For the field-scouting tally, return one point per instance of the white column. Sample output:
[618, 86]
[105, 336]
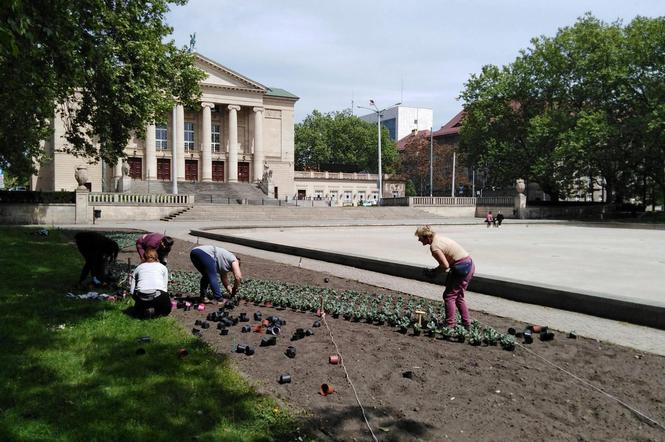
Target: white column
[206, 149]
[258, 144]
[180, 141]
[233, 143]
[150, 154]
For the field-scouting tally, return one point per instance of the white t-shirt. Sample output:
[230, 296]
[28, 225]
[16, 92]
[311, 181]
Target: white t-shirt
[150, 276]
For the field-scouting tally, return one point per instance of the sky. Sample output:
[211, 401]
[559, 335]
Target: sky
[420, 53]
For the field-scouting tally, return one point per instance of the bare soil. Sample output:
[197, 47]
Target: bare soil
[457, 391]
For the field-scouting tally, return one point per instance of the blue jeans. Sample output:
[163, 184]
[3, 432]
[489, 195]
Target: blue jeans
[207, 267]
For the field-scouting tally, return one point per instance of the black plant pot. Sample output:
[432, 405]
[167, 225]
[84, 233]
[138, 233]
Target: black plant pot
[249, 350]
[512, 331]
[198, 322]
[461, 339]
[196, 332]
[241, 348]
[546, 336]
[407, 374]
[224, 331]
[290, 352]
[403, 330]
[572, 335]
[316, 324]
[309, 332]
[205, 325]
[242, 317]
[284, 378]
[528, 337]
[235, 321]
[257, 316]
[335, 315]
[268, 340]
[274, 330]
[246, 328]
[510, 347]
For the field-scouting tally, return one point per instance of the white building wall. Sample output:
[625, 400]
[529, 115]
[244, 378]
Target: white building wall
[406, 119]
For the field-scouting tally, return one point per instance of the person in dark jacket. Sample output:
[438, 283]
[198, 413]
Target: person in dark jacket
[98, 251]
[499, 219]
[162, 244]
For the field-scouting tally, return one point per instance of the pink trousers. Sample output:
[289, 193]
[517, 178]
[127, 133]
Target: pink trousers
[453, 296]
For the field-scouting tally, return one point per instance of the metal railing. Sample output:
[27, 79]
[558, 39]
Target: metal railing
[496, 201]
[416, 201]
[137, 198]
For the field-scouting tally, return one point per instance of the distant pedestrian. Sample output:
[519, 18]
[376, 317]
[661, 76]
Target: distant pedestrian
[149, 287]
[454, 259]
[498, 220]
[162, 244]
[211, 261]
[489, 219]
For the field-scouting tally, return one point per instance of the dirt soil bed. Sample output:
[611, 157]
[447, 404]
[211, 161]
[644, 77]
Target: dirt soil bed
[457, 391]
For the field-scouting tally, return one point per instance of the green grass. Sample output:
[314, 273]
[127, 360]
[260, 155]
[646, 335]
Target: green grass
[69, 369]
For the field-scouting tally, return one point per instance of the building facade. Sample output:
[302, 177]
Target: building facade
[241, 131]
[402, 120]
[346, 188]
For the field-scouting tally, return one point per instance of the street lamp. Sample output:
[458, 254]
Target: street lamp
[379, 114]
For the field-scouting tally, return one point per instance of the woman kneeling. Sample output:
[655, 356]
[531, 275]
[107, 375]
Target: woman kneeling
[149, 287]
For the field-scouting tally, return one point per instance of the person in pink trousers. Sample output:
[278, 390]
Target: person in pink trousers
[455, 260]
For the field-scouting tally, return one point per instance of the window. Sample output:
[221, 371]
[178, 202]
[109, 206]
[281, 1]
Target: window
[189, 136]
[161, 137]
[215, 138]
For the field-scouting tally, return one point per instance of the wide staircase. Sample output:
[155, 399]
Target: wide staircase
[230, 193]
[249, 214]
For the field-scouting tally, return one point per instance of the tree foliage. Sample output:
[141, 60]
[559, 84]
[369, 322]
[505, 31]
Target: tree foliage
[102, 64]
[341, 139]
[581, 107]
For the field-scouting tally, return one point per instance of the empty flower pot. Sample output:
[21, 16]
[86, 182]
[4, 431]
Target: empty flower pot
[309, 332]
[290, 352]
[572, 335]
[528, 337]
[268, 340]
[407, 374]
[249, 350]
[224, 331]
[285, 378]
[257, 316]
[246, 328]
[220, 325]
[257, 329]
[201, 307]
[235, 321]
[326, 280]
[265, 323]
[333, 359]
[196, 331]
[274, 330]
[241, 348]
[326, 389]
[316, 324]
[174, 304]
[512, 331]
[205, 325]
[537, 328]
[242, 317]
[546, 335]
[198, 322]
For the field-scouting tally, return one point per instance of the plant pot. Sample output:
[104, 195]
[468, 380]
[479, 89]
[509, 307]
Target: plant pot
[198, 322]
[201, 307]
[309, 332]
[242, 317]
[461, 339]
[241, 348]
[528, 337]
[205, 325]
[284, 379]
[333, 359]
[546, 335]
[326, 280]
[265, 323]
[268, 304]
[319, 312]
[223, 331]
[268, 340]
[407, 374]
[416, 332]
[196, 332]
[572, 335]
[326, 389]
[290, 352]
[246, 329]
[316, 324]
[512, 331]
[249, 350]
[403, 330]
[235, 321]
[257, 328]
[274, 330]
[509, 347]
[257, 316]
[537, 328]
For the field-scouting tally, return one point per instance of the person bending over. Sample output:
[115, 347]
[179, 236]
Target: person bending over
[98, 251]
[157, 241]
[149, 287]
[453, 258]
[211, 261]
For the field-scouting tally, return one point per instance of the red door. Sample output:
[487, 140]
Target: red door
[218, 171]
[243, 172]
[163, 169]
[135, 168]
[191, 170]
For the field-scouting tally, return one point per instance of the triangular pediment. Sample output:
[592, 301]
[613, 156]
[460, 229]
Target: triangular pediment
[221, 76]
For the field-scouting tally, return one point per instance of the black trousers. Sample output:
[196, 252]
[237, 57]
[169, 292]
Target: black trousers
[161, 304]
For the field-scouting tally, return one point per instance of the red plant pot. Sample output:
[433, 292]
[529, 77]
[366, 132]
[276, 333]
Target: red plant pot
[326, 389]
[333, 359]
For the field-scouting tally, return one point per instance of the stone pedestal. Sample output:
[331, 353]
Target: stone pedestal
[81, 216]
[124, 184]
[520, 199]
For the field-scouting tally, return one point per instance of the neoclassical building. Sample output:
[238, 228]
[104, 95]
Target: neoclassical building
[241, 130]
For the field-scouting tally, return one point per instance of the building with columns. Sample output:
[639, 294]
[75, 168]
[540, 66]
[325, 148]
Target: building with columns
[241, 130]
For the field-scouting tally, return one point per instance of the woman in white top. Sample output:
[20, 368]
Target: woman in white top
[149, 287]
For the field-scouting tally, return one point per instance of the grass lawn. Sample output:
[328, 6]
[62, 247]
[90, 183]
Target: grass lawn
[69, 369]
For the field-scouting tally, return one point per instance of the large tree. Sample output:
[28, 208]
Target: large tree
[103, 64]
[581, 106]
[341, 139]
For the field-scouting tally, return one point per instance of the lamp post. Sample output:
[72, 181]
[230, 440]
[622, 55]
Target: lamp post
[379, 114]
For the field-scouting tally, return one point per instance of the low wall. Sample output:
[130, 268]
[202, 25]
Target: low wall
[507, 211]
[450, 211]
[133, 212]
[596, 304]
[566, 212]
[26, 213]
